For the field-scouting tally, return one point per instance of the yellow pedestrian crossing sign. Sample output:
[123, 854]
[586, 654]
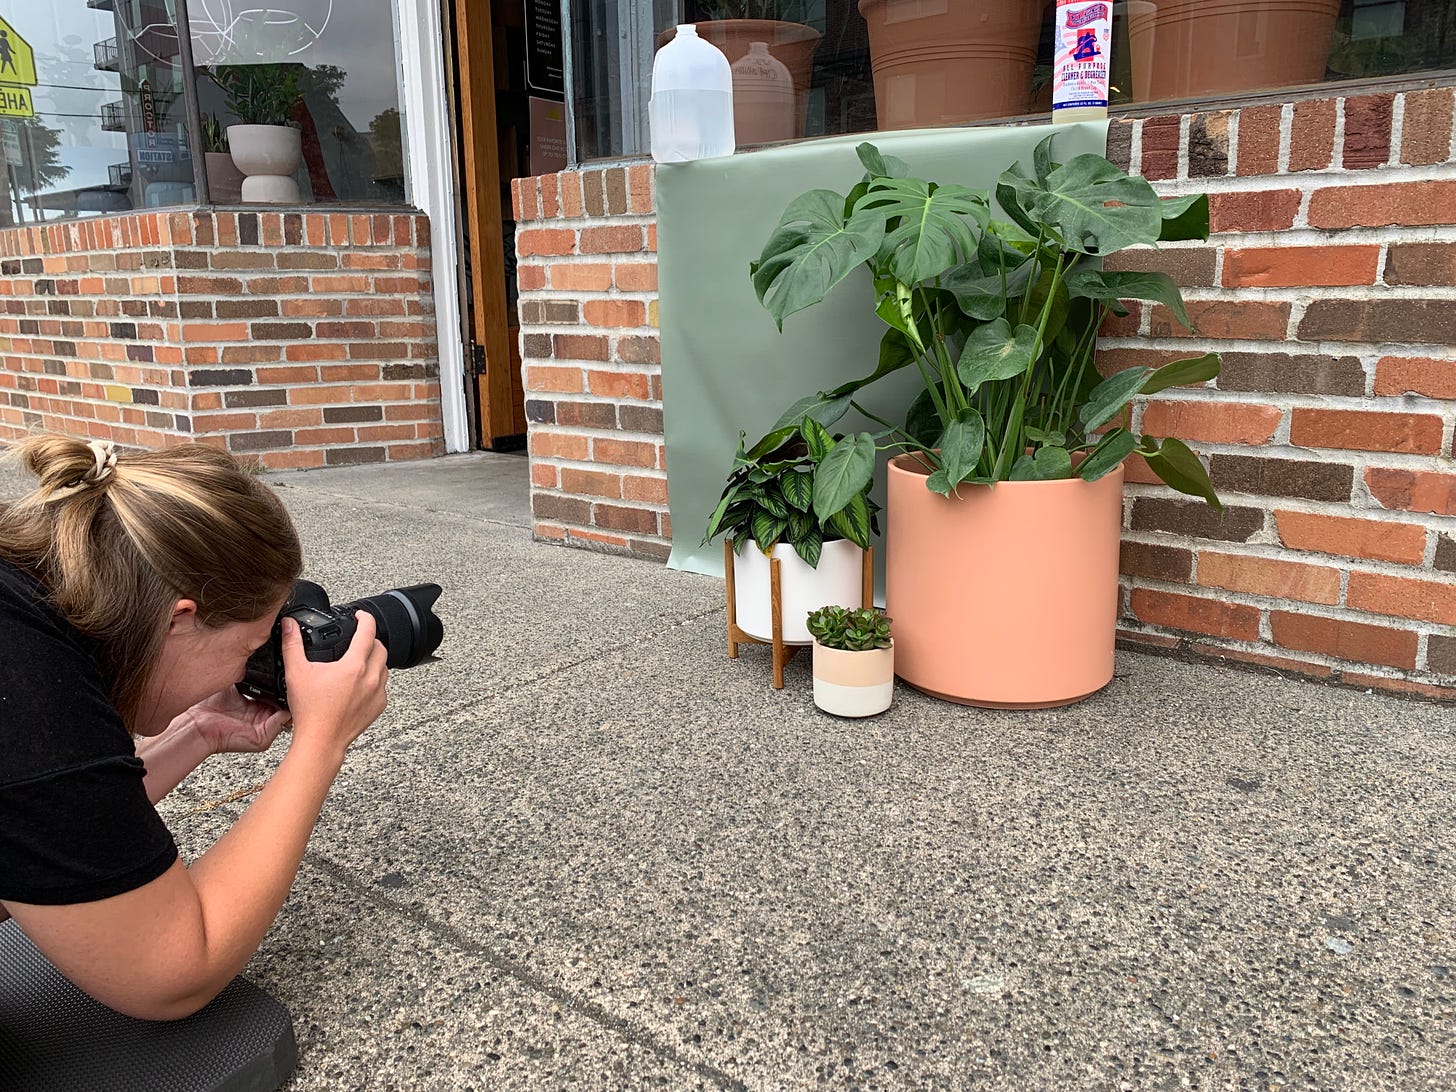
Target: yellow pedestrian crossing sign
[15, 102]
[17, 59]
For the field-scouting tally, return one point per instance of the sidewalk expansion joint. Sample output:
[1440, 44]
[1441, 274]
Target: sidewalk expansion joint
[625, 1029]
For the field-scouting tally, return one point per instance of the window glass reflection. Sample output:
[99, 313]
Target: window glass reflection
[92, 116]
[327, 70]
[805, 68]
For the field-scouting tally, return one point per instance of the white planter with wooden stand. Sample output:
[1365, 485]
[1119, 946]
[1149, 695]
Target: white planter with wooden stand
[854, 684]
[769, 598]
[269, 155]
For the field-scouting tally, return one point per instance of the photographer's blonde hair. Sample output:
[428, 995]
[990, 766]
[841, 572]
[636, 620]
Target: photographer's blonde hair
[116, 539]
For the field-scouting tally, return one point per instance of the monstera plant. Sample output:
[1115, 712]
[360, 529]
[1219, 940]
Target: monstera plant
[1004, 589]
[1000, 317]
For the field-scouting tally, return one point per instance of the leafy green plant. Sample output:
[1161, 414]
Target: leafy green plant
[999, 317]
[851, 630]
[776, 491]
[260, 94]
[214, 134]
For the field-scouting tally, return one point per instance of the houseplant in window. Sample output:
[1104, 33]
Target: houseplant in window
[777, 505]
[854, 660]
[771, 50]
[224, 180]
[950, 63]
[266, 143]
[1005, 508]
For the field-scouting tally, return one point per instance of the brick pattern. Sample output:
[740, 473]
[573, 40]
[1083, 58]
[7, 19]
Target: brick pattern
[293, 339]
[586, 244]
[1327, 286]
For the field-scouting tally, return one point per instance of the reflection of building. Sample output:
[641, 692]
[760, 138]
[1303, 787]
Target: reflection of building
[143, 54]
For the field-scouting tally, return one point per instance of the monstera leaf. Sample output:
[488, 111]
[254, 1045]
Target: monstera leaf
[928, 228]
[812, 250]
[1095, 207]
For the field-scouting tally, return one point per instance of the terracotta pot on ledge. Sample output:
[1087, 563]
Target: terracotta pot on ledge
[1195, 48]
[948, 62]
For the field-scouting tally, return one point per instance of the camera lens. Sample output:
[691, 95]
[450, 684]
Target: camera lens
[405, 622]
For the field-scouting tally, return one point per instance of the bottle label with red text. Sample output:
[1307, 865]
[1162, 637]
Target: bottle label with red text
[1083, 49]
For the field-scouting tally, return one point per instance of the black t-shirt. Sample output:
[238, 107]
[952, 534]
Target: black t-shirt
[75, 822]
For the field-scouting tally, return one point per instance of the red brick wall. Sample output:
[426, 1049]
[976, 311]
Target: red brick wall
[1329, 286]
[296, 339]
[587, 269]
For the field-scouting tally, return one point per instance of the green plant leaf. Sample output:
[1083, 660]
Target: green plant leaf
[774, 503]
[1047, 464]
[938, 482]
[880, 165]
[716, 520]
[928, 228]
[810, 546]
[818, 439]
[845, 473]
[798, 487]
[1055, 438]
[960, 446]
[767, 529]
[1180, 468]
[922, 423]
[826, 407]
[1108, 397]
[1114, 447]
[980, 295]
[811, 251]
[1095, 207]
[853, 521]
[1182, 373]
[772, 441]
[1008, 196]
[996, 351]
[1184, 218]
[1129, 285]
[1041, 160]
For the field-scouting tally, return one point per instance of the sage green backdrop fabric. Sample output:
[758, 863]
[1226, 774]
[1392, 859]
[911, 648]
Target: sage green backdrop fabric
[725, 366]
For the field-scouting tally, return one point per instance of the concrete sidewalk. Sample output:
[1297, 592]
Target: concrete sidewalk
[586, 850]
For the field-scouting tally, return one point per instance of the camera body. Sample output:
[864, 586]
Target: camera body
[405, 623]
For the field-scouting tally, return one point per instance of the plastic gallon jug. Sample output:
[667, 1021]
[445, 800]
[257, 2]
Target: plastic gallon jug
[692, 100]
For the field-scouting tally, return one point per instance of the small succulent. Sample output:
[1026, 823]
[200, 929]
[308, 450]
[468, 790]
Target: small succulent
[857, 630]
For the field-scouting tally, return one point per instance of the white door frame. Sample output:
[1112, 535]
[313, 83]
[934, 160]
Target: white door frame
[432, 188]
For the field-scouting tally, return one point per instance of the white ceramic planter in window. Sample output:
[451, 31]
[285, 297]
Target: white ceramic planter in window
[269, 156]
[837, 579]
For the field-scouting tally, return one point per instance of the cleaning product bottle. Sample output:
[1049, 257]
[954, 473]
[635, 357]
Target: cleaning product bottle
[1083, 45]
[691, 109]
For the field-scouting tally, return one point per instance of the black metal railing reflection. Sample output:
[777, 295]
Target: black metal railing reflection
[120, 175]
[108, 55]
[113, 116]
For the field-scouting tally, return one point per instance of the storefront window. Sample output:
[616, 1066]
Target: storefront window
[92, 115]
[826, 67]
[328, 70]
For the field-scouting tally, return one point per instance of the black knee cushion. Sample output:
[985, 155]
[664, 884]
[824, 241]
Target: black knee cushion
[53, 1038]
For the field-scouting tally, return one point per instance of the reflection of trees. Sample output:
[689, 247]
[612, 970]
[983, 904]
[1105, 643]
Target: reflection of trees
[39, 166]
[64, 70]
[385, 137]
[40, 163]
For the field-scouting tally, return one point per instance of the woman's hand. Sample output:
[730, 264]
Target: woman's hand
[229, 722]
[333, 703]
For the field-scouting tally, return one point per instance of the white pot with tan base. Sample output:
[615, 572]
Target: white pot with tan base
[854, 684]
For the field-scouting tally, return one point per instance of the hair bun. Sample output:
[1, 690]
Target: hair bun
[66, 465]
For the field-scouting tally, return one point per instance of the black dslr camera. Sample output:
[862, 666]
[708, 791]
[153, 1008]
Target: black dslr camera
[405, 623]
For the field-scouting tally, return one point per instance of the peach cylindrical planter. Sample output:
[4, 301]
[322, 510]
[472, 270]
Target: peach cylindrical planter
[1005, 596]
[854, 684]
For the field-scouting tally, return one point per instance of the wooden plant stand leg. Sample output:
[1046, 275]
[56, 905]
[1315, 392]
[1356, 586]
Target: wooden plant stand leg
[782, 653]
[733, 634]
[867, 575]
